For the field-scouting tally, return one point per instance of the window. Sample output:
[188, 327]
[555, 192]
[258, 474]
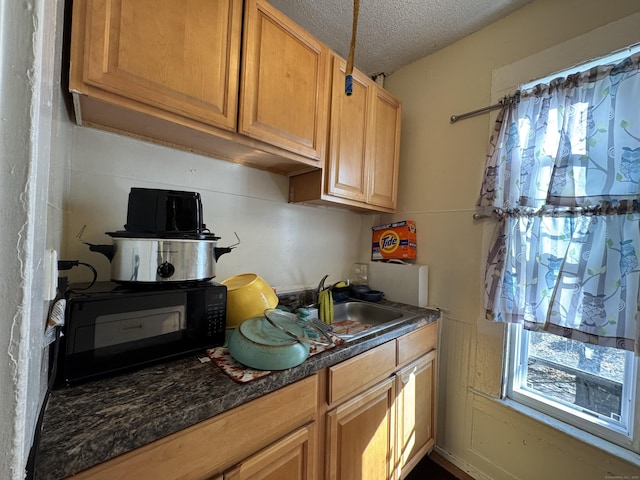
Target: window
[588, 386]
[563, 179]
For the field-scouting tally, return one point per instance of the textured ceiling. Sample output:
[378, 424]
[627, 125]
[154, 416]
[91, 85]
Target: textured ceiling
[394, 33]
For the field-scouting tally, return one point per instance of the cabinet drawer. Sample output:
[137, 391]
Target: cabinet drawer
[416, 343]
[358, 373]
[215, 444]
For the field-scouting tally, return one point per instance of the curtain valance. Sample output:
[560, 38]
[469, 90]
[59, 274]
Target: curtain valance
[563, 176]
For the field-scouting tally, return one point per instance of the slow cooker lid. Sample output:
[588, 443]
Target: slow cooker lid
[164, 235]
[153, 210]
[260, 331]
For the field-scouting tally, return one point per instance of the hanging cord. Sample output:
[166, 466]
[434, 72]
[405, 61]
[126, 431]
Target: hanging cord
[30, 469]
[69, 264]
[56, 314]
[348, 79]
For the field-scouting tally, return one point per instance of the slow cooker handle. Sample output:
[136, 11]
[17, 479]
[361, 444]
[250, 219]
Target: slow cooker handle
[107, 250]
[219, 251]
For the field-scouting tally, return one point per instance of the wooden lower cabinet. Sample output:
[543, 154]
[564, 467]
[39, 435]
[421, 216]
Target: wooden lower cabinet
[214, 446]
[360, 436]
[415, 407]
[371, 417]
[381, 432]
[291, 458]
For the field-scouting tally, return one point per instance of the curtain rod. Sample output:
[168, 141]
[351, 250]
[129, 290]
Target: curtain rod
[507, 98]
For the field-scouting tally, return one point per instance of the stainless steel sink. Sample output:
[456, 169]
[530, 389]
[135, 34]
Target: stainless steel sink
[372, 316]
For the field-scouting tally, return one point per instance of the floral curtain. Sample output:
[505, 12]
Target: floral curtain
[563, 178]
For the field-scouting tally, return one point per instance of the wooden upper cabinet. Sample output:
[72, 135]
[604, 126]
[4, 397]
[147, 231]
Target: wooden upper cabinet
[361, 169]
[351, 124]
[284, 87]
[181, 57]
[364, 141]
[385, 150]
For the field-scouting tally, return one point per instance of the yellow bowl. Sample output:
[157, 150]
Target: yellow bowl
[248, 296]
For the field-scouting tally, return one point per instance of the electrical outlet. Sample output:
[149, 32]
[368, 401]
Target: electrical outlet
[50, 274]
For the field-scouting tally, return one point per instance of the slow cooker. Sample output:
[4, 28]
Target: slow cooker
[164, 240]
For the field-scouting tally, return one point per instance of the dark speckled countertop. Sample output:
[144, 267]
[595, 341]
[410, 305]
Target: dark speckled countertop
[94, 422]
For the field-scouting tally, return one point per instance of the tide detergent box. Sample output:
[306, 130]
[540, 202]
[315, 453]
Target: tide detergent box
[394, 240]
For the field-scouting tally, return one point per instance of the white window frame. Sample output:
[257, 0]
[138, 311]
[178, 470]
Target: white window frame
[625, 435]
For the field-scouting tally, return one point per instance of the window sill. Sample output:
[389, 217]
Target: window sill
[580, 435]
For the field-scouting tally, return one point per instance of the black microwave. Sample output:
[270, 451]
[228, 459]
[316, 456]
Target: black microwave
[111, 328]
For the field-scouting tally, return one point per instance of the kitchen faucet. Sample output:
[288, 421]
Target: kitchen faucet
[321, 287]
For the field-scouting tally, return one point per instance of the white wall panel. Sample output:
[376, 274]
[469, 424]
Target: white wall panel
[291, 246]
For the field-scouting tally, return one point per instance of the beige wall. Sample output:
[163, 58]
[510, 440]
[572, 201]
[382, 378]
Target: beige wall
[441, 168]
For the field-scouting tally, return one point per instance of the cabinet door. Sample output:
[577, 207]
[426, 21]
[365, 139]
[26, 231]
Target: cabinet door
[385, 150]
[416, 387]
[349, 135]
[284, 90]
[360, 436]
[292, 458]
[182, 57]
